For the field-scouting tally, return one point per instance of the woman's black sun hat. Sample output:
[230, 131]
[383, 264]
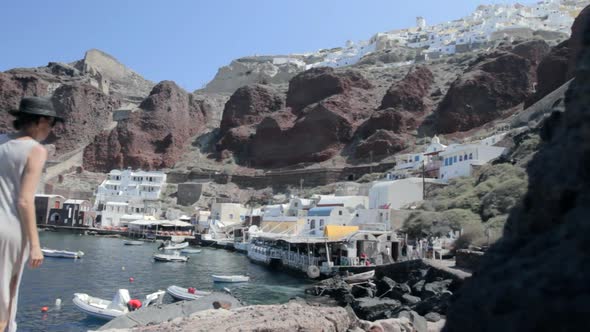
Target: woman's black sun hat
[37, 106]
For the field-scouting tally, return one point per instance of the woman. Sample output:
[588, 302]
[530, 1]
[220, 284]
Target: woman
[22, 159]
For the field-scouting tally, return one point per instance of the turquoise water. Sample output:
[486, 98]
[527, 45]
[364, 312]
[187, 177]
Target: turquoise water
[100, 273]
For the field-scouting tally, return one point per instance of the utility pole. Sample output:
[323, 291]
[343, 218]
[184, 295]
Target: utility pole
[423, 180]
[371, 160]
[301, 188]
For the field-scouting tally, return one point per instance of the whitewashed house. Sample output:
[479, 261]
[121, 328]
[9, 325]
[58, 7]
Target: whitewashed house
[128, 192]
[459, 159]
[407, 165]
[319, 217]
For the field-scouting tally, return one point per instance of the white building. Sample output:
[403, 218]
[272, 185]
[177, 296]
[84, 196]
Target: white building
[127, 192]
[458, 160]
[351, 203]
[319, 217]
[228, 213]
[410, 164]
[397, 194]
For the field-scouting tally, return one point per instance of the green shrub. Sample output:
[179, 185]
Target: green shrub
[502, 198]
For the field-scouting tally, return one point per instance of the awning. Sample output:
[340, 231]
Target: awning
[176, 223]
[145, 223]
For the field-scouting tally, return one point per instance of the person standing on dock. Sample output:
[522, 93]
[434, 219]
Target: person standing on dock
[22, 163]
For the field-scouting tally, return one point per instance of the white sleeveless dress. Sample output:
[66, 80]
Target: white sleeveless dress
[14, 249]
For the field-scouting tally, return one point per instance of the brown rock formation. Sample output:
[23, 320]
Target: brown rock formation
[87, 112]
[316, 136]
[12, 88]
[153, 138]
[316, 84]
[486, 92]
[248, 105]
[388, 119]
[535, 278]
[381, 144]
[576, 41]
[411, 93]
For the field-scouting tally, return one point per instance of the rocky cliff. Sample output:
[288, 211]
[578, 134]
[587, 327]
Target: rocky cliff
[535, 278]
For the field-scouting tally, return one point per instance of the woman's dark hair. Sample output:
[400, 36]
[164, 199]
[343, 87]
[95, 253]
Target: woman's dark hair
[23, 120]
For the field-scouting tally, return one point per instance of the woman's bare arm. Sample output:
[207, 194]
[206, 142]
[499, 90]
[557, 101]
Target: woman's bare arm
[26, 201]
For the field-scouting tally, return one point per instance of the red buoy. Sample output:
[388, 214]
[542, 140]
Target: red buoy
[131, 279]
[44, 309]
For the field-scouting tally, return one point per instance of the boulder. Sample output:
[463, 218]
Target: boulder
[411, 93]
[435, 287]
[410, 299]
[417, 321]
[418, 286]
[384, 285]
[438, 303]
[375, 308]
[319, 83]
[432, 317]
[248, 105]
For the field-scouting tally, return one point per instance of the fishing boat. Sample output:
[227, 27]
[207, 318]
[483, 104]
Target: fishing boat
[132, 243]
[176, 257]
[173, 246]
[232, 278]
[190, 251]
[62, 253]
[188, 294]
[105, 309]
[359, 277]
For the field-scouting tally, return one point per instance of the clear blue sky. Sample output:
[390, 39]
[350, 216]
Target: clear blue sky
[188, 40]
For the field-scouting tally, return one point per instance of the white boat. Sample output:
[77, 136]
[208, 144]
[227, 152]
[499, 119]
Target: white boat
[173, 246]
[190, 251]
[241, 246]
[132, 243]
[233, 278]
[180, 293]
[359, 277]
[105, 309]
[62, 253]
[176, 257]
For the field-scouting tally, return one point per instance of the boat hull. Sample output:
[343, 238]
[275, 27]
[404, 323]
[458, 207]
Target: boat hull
[230, 279]
[90, 310]
[182, 294]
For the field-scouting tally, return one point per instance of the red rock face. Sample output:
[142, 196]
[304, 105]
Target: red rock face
[411, 93]
[486, 92]
[248, 105]
[552, 72]
[381, 144]
[151, 139]
[388, 119]
[86, 112]
[576, 42]
[12, 88]
[316, 84]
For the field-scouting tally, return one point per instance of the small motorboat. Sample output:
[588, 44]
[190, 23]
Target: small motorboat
[188, 294]
[190, 251]
[132, 243]
[173, 246]
[359, 277]
[105, 309]
[176, 257]
[233, 278]
[62, 253]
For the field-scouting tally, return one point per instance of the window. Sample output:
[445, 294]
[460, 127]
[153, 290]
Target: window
[416, 158]
[312, 224]
[339, 213]
[455, 159]
[460, 158]
[231, 216]
[471, 156]
[321, 223]
[465, 157]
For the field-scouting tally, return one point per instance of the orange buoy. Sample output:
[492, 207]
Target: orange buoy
[44, 309]
[131, 279]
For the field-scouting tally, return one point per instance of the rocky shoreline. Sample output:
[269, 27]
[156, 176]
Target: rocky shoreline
[406, 296]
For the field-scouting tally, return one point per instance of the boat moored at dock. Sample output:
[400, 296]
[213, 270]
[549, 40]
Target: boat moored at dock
[62, 253]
